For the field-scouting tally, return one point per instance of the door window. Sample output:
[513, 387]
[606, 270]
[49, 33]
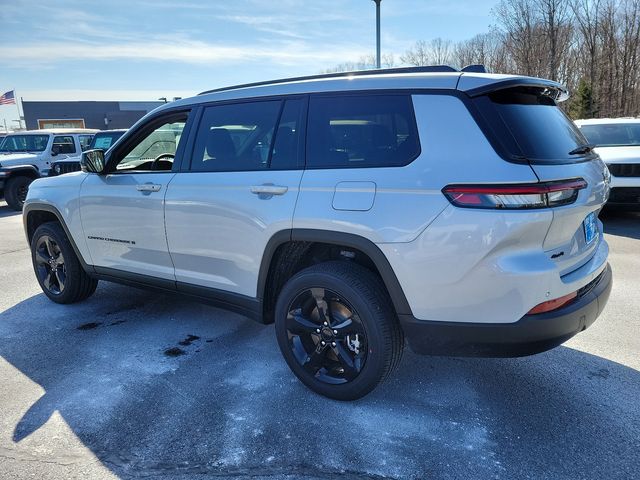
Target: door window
[244, 137]
[155, 149]
[361, 131]
[288, 140]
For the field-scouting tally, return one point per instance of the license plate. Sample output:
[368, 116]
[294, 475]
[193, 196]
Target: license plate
[590, 228]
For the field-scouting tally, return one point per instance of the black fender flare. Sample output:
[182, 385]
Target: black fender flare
[30, 171]
[46, 207]
[357, 242]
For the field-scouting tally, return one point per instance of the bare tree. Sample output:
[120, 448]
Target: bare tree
[418, 55]
[592, 46]
[436, 52]
[367, 62]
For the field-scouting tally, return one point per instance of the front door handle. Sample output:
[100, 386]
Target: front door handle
[269, 189]
[148, 187]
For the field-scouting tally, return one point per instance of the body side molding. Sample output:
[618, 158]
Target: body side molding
[234, 302]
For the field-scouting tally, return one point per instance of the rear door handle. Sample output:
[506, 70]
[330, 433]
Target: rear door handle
[148, 187]
[269, 189]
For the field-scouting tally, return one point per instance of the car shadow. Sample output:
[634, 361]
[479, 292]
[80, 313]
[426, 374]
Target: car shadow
[6, 211]
[160, 386]
[621, 222]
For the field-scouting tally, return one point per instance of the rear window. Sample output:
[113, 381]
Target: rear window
[541, 131]
[613, 134]
[361, 131]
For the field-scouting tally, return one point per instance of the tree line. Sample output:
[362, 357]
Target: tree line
[592, 46]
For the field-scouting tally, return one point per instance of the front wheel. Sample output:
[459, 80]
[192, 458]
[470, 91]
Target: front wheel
[337, 330]
[15, 191]
[57, 267]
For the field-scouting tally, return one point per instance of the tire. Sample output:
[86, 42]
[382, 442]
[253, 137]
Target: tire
[363, 341]
[15, 191]
[57, 267]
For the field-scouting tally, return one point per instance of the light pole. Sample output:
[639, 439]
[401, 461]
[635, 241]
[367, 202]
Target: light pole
[377, 2]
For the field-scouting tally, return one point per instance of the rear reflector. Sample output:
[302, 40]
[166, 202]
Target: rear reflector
[515, 196]
[552, 304]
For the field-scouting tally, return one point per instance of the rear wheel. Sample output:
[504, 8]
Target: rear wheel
[15, 191]
[337, 329]
[57, 267]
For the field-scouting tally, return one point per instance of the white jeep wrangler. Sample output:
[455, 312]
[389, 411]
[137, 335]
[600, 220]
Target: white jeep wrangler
[25, 156]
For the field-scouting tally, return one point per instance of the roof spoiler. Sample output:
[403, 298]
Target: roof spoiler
[556, 90]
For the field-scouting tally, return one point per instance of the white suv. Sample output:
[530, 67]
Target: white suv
[27, 155]
[457, 210]
[617, 141]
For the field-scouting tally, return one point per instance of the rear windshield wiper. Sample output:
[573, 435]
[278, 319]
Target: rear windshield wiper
[582, 149]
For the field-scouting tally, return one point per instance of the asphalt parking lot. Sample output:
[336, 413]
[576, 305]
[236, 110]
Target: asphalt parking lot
[89, 391]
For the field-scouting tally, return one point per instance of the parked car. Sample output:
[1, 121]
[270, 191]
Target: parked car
[102, 140]
[617, 141]
[27, 155]
[456, 210]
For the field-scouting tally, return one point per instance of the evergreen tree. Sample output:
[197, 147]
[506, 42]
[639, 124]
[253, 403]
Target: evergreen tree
[583, 105]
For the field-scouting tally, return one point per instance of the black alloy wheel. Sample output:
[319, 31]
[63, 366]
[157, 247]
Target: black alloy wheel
[337, 329]
[16, 190]
[50, 266]
[22, 193]
[326, 335]
[57, 267]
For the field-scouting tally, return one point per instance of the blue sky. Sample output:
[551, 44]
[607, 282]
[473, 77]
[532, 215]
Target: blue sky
[144, 49]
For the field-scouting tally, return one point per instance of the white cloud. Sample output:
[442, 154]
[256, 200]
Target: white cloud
[171, 51]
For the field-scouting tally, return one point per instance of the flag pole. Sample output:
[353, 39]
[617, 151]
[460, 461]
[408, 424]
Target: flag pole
[20, 115]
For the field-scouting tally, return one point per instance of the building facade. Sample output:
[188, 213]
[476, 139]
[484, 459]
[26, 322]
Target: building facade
[100, 115]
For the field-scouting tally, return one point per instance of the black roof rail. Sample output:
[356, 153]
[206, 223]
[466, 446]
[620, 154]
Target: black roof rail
[357, 73]
[474, 68]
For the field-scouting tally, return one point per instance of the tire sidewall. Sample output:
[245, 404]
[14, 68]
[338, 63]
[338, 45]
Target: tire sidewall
[72, 265]
[374, 366]
[11, 191]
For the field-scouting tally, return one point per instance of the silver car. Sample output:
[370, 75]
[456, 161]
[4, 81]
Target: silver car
[455, 210]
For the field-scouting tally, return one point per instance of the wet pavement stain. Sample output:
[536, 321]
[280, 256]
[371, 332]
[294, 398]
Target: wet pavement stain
[89, 326]
[174, 352]
[117, 322]
[189, 340]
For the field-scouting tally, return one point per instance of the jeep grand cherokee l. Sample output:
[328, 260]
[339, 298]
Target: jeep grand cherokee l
[456, 210]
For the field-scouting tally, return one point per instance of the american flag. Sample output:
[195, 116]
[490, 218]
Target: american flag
[8, 98]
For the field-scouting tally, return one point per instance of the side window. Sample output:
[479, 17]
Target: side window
[156, 148]
[361, 131]
[287, 144]
[235, 137]
[85, 141]
[63, 145]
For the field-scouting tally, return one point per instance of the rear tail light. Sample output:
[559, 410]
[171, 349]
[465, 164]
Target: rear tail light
[515, 196]
[552, 304]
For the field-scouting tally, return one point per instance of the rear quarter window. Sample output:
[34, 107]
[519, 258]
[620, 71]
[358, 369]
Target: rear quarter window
[539, 130]
[361, 131]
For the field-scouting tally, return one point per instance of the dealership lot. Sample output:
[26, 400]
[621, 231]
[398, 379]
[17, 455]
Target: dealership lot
[134, 383]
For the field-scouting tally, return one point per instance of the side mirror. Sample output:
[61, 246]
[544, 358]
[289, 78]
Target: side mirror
[55, 151]
[92, 161]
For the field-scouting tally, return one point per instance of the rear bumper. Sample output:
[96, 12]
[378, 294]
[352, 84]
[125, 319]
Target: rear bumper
[624, 197]
[529, 335]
